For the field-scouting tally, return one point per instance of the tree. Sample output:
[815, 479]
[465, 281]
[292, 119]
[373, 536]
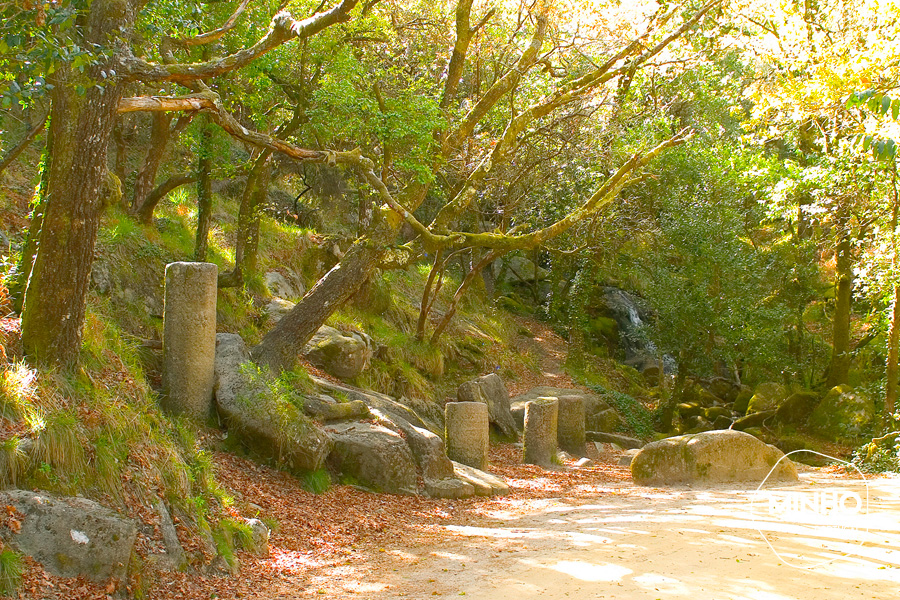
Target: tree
[85, 96]
[810, 57]
[280, 346]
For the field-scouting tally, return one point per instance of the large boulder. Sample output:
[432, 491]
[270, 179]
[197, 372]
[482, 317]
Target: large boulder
[265, 419]
[490, 389]
[372, 456]
[843, 414]
[278, 308]
[798, 407]
[344, 355]
[287, 285]
[431, 458]
[767, 396]
[70, 537]
[724, 456]
[521, 270]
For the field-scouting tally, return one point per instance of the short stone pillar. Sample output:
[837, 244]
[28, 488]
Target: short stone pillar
[570, 424]
[540, 431]
[189, 338]
[466, 433]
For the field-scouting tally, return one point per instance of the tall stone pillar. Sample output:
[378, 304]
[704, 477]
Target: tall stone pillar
[570, 432]
[540, 431]
[466, 433]
[189, 338]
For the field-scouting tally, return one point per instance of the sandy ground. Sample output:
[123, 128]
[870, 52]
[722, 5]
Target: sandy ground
[632, 542]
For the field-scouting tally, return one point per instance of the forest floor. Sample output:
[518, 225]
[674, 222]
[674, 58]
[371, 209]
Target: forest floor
[569, 532]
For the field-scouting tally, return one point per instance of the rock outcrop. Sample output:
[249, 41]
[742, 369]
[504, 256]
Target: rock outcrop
[843, 414]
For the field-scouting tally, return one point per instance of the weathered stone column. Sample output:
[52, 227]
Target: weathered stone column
[570, 432]
[466, 433]
[189, 338]
[540, 431]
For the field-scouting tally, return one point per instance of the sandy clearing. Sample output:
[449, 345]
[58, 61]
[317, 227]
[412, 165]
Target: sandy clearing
[632, 542]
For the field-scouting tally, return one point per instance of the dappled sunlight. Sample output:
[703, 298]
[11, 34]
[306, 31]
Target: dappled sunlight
[586, 571]
[674, 543]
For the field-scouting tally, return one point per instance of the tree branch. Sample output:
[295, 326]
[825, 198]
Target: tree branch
[212, 36]
[502, 86]
[16, 150]
[283, 29]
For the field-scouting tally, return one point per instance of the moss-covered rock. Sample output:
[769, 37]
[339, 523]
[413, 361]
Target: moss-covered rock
[798, 407]
[710, 457]
[843, 414]
[742, 401]
[259, 410]
[767, 396]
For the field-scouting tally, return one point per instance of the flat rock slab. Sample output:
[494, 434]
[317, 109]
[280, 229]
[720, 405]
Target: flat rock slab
[725, 456]
[71, 537]
[484, 483]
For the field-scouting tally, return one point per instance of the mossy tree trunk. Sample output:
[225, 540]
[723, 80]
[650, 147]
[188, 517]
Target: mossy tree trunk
[81, 127]
[280, 347]
[204, 193]
[893, 347]
[156, 150]
[839, 367]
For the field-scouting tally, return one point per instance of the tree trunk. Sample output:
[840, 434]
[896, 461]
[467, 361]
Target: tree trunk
[427, 297]
[839, 368]
[159, 138]
[81, 127]
[204, 193]
[461, 290]
[891, 370]
[19, 282]
[281, 346]
[246, 249]
[145, 213]
[890, 393]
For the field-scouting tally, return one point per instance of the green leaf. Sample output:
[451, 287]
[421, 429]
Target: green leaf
[895, 108]
[885, 105]
[874, 103]
[867, 141]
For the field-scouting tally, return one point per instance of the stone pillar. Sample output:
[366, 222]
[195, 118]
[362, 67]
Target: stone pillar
[466, 433]
[189, 338]
[540, 431]
[570, 432]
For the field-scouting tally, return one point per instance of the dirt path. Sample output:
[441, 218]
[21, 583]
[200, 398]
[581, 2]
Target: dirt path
[628, 542]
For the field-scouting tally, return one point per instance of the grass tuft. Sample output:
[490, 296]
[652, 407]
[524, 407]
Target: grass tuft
[12, 567]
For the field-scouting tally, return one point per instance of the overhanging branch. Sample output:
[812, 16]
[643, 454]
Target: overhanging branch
[283, 29]
[217, 34]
